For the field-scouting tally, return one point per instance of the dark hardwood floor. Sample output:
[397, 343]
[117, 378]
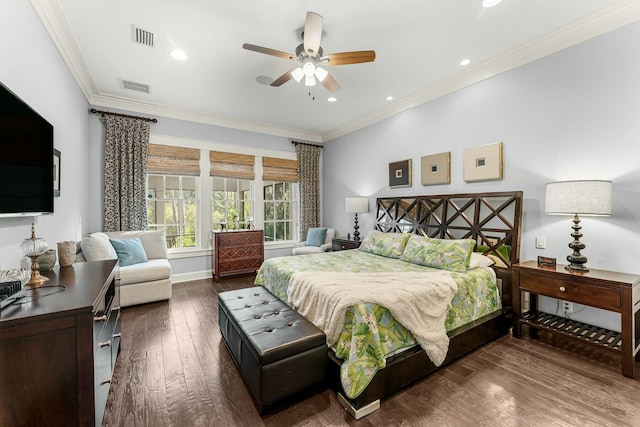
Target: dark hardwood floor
[173, 370]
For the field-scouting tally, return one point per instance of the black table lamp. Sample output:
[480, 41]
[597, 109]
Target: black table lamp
[578, 198]
[356, 205]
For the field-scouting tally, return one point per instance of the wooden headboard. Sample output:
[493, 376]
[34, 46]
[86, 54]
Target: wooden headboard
[493, 220]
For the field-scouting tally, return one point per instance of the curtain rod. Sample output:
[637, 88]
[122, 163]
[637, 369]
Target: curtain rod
[147, 119]
[306, 143]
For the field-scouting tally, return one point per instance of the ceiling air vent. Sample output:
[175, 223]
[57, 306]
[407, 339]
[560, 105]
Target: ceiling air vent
[144, 37]
[140, 87]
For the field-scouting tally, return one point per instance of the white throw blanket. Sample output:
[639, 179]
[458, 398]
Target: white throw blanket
[419, 301]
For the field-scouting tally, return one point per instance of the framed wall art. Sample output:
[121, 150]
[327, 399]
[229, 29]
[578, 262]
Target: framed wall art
[56, 173]
[436, 169]
[400, 174]
[483, 163]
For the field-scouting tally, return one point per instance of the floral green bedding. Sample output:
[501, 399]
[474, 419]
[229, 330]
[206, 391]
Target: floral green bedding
[370, 333]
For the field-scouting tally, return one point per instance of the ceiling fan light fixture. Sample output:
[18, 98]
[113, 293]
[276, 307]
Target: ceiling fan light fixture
[297, 74]
[309, 69]
[309, 81]
[321, 74]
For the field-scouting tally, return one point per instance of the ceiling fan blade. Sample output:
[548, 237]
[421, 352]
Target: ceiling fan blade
[282, 79]
[267, 51]
[312, 33]
[356, 57]
[330, 83]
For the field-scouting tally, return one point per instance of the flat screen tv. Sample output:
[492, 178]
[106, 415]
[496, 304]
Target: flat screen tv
[26, 159]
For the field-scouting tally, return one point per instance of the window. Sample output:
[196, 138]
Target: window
[232, 178]
[280, 181]
[172, 203]
[279, 217]
[231, 203]
[173, 193]
[191, 191]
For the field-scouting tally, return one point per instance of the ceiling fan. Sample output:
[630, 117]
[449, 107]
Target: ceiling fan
[311, 56]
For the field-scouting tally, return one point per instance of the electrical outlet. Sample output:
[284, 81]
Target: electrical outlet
[567, 307]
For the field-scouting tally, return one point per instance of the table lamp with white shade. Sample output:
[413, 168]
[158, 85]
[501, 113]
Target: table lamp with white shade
[587, 197]
[356, 205]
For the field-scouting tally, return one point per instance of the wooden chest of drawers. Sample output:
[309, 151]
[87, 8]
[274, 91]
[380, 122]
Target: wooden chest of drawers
[237, 252]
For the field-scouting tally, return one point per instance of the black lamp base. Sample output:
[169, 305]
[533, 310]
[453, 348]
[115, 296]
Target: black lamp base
[356, 233]
[576, 260]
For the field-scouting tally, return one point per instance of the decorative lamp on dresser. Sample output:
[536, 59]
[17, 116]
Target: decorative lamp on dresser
[237, 252]
[58, 347]
[607, 290]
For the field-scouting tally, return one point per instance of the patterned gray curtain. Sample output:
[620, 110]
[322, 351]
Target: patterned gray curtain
[309, 179]
[125, 171]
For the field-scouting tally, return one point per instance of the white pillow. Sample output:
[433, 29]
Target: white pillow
[479, 260]
[154, 242]
[96, 247]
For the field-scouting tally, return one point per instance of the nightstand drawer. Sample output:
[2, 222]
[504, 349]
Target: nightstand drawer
[572, 290]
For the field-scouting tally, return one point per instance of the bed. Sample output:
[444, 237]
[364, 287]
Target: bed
[478, 311]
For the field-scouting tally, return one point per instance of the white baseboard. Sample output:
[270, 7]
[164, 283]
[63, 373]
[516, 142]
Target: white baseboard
[194, 275]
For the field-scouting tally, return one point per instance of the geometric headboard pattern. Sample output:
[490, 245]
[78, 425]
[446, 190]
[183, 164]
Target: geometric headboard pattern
[493, 220]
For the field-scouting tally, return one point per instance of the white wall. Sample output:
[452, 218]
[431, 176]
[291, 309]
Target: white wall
[572, 115]
[32, 68]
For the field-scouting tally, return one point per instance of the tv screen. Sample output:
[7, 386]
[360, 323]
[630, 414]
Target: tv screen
[26, 158]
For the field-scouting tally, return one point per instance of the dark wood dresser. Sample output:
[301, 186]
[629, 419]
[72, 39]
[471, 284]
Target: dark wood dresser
[237, 252]
[58, 347]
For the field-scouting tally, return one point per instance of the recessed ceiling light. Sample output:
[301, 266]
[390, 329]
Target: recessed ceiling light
[332, 99]
[178, 54]
[465, 62]
[490, 3]
[389, 98]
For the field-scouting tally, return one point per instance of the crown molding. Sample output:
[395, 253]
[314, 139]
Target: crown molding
[614, 16]
[127, 104]
[55, 22]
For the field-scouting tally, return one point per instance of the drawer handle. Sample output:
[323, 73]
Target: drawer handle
[562, 289]
[100, 318]
[105, 343]
[107, 381]
[116, 335]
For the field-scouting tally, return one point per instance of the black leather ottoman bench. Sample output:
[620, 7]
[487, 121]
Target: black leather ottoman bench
[278, 351]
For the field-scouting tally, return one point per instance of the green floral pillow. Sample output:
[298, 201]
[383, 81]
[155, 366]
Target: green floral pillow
[452, 255]
[390, 245]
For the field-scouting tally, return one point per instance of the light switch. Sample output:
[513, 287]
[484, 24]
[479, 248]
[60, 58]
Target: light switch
[541, 242]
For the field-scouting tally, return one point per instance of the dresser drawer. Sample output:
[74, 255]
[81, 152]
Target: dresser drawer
[572, 290]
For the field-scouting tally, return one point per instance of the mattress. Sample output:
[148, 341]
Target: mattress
[370, 333]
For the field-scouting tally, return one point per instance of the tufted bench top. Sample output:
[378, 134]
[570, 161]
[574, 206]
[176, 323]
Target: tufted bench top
[274, 329]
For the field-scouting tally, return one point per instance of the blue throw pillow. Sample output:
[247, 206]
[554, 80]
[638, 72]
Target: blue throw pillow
[316, 236]
[129, 251]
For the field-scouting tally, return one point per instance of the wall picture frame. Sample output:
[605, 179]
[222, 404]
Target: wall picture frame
[400, 174]
[483, 163]
[56, 173]
[436, 169]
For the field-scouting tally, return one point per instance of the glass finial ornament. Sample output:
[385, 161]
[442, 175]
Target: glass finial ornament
[33, 248]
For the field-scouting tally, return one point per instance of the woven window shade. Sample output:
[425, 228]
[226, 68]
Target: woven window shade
[274, 169]
[232, 165]
[168, 160]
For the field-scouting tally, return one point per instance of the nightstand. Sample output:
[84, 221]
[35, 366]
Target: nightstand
[607, 290]
[341, 244]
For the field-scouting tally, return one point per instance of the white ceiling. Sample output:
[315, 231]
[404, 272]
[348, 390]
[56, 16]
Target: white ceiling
[418, 43]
